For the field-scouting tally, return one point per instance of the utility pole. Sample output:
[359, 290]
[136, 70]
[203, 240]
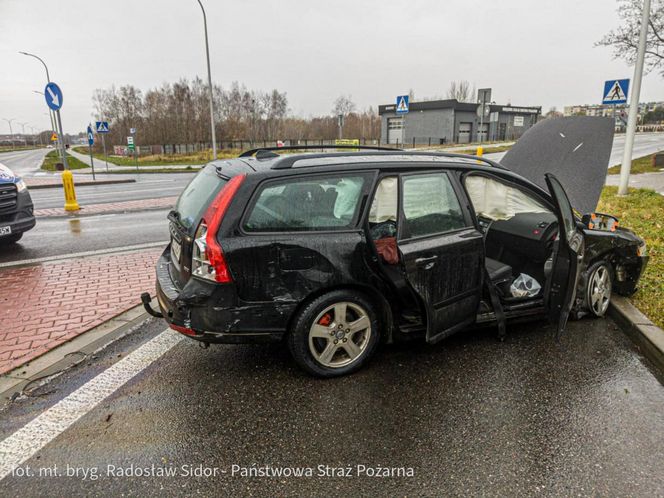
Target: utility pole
[11, 132]
[626, 165]
[50, 115]
[207, 54]
[61, 148]
[23, 127]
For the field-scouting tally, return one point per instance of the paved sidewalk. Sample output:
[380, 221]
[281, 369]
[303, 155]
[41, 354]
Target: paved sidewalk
[653, 181]
[46, 305]
[110, 207]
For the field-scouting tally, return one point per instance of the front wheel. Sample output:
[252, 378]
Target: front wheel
[598, 290]
[335, 334]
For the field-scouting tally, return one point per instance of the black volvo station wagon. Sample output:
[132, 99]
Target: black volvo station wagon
[335, 252]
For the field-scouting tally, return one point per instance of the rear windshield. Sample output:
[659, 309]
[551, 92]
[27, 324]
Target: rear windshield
[198, 195]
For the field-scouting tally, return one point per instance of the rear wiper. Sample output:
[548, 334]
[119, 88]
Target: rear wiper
[221, 175]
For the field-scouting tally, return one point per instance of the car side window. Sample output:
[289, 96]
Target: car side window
[430, 206]
[306, 204]
[496, 200]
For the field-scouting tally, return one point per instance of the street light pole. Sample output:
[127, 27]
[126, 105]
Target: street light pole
[11, 132]
[23, 126]
[207, 54]
[61, 145]
[50, 113]
[634, 102]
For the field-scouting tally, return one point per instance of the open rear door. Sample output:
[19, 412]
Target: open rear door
[560, 290]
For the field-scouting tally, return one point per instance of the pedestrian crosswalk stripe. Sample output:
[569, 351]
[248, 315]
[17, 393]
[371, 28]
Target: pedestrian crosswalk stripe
[33, 436]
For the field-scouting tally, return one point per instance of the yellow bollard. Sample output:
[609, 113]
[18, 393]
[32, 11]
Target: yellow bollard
[70, 194]
[479, 151]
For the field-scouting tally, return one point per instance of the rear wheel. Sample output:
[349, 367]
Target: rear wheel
[598, 291]
[11, 239]
[336, 334]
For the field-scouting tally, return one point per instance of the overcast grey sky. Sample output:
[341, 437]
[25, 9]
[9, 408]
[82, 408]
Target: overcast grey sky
[529, 52]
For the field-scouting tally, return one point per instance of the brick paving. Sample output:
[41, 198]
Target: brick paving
[110, 207]
[46, 305]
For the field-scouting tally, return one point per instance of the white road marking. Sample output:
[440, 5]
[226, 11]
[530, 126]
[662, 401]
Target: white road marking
[83, 254]
[33, 436]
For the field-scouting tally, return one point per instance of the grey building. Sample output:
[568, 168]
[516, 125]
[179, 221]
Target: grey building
[451, 121]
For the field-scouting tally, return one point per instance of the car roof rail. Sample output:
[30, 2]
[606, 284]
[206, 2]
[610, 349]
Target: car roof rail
[287, 162]
[251, 152]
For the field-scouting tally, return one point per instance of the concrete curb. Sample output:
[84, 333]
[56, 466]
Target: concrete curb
[648, 336]
[69, 354]
[82, 214]
[80, 183]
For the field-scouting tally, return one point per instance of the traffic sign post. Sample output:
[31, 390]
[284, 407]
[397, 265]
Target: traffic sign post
[103, 128]
[483, 97]
[402, 104]
[91, 141]
[402, 107]
[53, 96]
[132, 147]
[615, 92]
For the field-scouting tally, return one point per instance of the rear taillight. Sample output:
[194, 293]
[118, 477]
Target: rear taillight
[207, 256]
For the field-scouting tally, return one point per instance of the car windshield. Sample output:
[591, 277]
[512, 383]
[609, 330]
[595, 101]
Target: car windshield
[197, 196]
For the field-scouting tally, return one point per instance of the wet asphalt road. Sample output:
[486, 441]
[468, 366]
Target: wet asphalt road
[65, 236]
[470, 416]
[146, 186]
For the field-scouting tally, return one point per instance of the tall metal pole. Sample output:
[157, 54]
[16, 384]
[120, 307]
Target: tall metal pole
[61, 137]
[53, 119]
[207, 54]
[11, 132]
[23, 127]
[626, 165]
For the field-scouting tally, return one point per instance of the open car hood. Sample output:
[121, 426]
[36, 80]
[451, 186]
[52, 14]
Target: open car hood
[575, 149]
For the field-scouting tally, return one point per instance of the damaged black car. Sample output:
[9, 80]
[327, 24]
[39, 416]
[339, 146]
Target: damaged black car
[335, 252]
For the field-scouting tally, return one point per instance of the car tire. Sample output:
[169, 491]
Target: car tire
[598, 288]
[12, 239]
[326, 345]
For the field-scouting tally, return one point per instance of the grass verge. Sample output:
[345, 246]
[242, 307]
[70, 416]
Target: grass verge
[639, 165]
[51, 159]
[193, 159]
[643, 212]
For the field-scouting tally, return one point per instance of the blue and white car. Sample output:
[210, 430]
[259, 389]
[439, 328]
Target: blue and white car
[16, 208]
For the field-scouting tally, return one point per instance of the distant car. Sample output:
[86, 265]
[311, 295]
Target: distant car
[16, 209]
[334, 252]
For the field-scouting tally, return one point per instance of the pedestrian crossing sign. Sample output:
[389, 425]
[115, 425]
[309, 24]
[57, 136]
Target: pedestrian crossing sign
[615, 91]
[402, 104]
[101, 126]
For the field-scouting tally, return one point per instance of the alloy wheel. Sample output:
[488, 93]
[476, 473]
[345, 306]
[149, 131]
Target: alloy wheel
[340, 334]
[599, 290]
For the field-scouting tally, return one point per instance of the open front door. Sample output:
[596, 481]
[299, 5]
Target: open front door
[560, 289]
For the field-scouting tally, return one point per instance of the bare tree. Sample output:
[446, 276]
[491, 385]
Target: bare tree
[625, 39]
[553, 113]
[460, 90]
[343, 105]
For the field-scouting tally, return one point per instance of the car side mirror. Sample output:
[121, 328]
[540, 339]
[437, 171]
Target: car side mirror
[600, 221]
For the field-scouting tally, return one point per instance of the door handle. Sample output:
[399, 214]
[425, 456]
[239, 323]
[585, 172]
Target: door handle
[426, 261]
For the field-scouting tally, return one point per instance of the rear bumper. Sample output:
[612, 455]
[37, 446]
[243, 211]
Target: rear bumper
[211, 312]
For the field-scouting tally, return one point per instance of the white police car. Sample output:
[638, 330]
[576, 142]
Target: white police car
[16, 209]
